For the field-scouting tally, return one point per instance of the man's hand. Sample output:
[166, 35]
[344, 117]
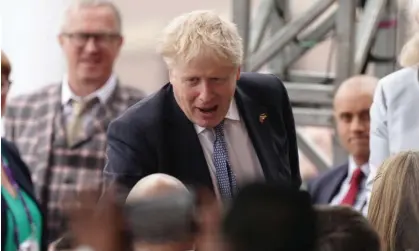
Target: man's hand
[209, 213]
[96, 220]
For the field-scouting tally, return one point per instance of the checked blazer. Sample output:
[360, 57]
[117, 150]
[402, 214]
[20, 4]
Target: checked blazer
[35, 124]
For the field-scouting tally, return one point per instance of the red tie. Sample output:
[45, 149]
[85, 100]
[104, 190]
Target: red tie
[350, 197]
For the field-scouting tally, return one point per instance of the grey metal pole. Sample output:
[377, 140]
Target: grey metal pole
[345, 39]
[241, 17]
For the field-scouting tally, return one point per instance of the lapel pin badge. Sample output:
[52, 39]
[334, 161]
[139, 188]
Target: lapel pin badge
[262, 117]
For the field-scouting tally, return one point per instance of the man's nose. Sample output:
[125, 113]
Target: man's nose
[206, 92]
[91, 45]
[357, 125]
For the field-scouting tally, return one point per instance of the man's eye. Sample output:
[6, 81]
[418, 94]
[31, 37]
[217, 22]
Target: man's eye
[192, 80]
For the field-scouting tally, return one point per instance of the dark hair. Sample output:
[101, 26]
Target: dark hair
[6, 67]
[270, 218]
[344, 229]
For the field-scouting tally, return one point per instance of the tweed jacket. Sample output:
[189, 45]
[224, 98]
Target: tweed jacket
[32, 123]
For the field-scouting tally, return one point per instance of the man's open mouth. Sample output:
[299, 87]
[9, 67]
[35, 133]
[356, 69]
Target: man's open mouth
[208, 109]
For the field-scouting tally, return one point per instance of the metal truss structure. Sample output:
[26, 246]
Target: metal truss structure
[364, 33]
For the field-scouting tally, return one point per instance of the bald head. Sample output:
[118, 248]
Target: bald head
[155, 185]
[167, 214]
[356, 85]
[351, 105]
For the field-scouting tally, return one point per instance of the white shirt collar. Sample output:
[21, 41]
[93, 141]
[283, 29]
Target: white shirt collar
[232, 114]
[365, 168]
[102, 93]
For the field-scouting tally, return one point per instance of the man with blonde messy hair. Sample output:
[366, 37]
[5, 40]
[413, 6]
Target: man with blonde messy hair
[212, 125]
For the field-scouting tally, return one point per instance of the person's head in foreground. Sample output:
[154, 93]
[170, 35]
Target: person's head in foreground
[161, 216]
[394, 205]
[203, 52]
[344, 229]
[270, 218]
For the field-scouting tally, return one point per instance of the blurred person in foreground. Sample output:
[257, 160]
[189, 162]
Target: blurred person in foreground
[394, 205]
[155, 185]
[394, 113]
[161, 215]
[212, 125]
[270, 218]
[61, 129]
[22, 224]
[345, 184]
[341, 228]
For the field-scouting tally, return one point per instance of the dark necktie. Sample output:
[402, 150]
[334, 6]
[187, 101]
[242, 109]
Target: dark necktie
[225, 177]
[354, 186]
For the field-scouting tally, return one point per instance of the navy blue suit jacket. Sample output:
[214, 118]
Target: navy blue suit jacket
[155, 136]
[323, 188]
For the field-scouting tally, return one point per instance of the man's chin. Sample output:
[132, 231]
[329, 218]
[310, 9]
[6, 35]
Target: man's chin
[207, 123]
[90, 76]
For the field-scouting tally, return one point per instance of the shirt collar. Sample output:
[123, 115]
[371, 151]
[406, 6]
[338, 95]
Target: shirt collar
[365, 168]
[103, 93]
[232, 114]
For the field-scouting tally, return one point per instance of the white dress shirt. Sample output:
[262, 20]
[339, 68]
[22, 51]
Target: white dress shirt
[244, 161]
[361, 198]
[103, 94]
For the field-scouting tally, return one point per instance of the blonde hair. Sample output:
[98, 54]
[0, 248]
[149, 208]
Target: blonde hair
[394, 205]
[200, 33]
[409, 55]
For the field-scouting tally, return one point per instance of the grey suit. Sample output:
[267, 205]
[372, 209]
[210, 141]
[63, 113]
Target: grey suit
[394, 118]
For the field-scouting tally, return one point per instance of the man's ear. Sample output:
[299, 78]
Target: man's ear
[60, 39]
[170, 74]
[238, 73]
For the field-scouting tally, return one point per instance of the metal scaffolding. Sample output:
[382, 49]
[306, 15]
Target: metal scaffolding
[365, 33]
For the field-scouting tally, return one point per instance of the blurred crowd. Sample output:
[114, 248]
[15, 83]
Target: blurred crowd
[208, 162]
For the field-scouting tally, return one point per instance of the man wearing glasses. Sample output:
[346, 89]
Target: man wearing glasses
[61, 130]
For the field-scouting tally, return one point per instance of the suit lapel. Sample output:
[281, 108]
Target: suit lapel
[334, 184]
[256, 118]
[44, 132]
[45, 126]
[16, 165]
[187, 160]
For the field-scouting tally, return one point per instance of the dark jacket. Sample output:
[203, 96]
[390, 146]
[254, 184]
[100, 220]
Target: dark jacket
[325, 187]
[155, 136]
[22, 176]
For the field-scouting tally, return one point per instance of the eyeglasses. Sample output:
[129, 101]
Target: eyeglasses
[5, 85]
[101, 39]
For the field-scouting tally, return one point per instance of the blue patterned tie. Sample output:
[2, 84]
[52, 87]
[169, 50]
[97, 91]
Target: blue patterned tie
[225, 176]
